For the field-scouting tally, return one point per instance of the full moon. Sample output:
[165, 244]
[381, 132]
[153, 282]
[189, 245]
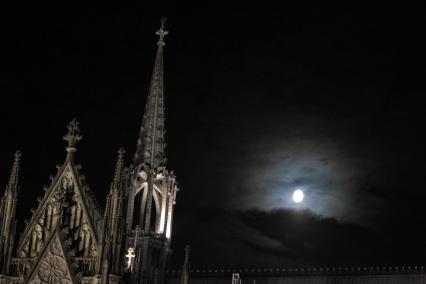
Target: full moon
[298, 196]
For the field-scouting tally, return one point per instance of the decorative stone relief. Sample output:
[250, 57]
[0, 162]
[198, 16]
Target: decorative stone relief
[58, 195]
[25, 251]
[53, 268]
[39, 238]
[67, 181]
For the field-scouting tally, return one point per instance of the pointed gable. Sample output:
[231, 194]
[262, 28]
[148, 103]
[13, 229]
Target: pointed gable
[52, 265]
[69, 206]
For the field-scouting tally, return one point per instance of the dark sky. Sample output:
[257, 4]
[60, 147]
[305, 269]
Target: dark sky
[260, 100]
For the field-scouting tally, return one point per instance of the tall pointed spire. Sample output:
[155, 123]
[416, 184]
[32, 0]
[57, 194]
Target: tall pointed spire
[152, 188]
[150, 148]
[185, 269]
[118, 169]
[7, 215]
[14, 175]
[112, 238]
[187, 250]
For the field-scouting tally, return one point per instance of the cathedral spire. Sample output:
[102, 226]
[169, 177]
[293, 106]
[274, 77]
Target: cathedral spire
[150, 148]
[118, 169]
[111, 251]
[7, 215]
[14, 175]
[185, 269]
[152, 188]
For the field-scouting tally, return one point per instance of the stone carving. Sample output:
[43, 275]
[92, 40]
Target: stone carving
[52, 270]
[55, 249]
[73, 135]
[67, 182]
[38, 232]
[58, 194]
[93, 251]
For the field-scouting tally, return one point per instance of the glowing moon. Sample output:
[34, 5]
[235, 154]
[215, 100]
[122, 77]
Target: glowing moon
[298, 196]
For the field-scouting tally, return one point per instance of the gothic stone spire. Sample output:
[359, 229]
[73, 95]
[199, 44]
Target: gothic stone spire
[14, 175]
[113, 227]
[150, 148]
[119, 169]
[7, 215]
[185, 269]
[152, 190]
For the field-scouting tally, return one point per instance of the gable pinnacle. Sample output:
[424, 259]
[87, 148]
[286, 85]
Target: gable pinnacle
[119, 168]
[14, 175]
[73, 135]
[187, 250]
[185, 268]
[162, 33]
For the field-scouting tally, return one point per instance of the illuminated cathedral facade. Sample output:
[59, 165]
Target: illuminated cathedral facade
[71, 239]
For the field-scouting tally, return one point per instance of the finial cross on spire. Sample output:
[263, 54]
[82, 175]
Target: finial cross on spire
[73, 135]
[161, 32]
[163, 20]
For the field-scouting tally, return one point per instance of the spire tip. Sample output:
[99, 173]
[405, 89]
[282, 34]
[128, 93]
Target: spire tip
[118, 168]
[18, 155]
[163, 20]
[161, 32]
[121, 152]
[14, 175]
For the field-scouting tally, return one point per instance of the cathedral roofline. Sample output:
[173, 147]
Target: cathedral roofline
[316, 270]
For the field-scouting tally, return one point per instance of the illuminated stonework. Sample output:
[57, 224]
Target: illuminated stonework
[152, 193]
[51, 267]
[71, 239]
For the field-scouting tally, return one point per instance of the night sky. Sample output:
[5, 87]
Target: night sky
[260, 100]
